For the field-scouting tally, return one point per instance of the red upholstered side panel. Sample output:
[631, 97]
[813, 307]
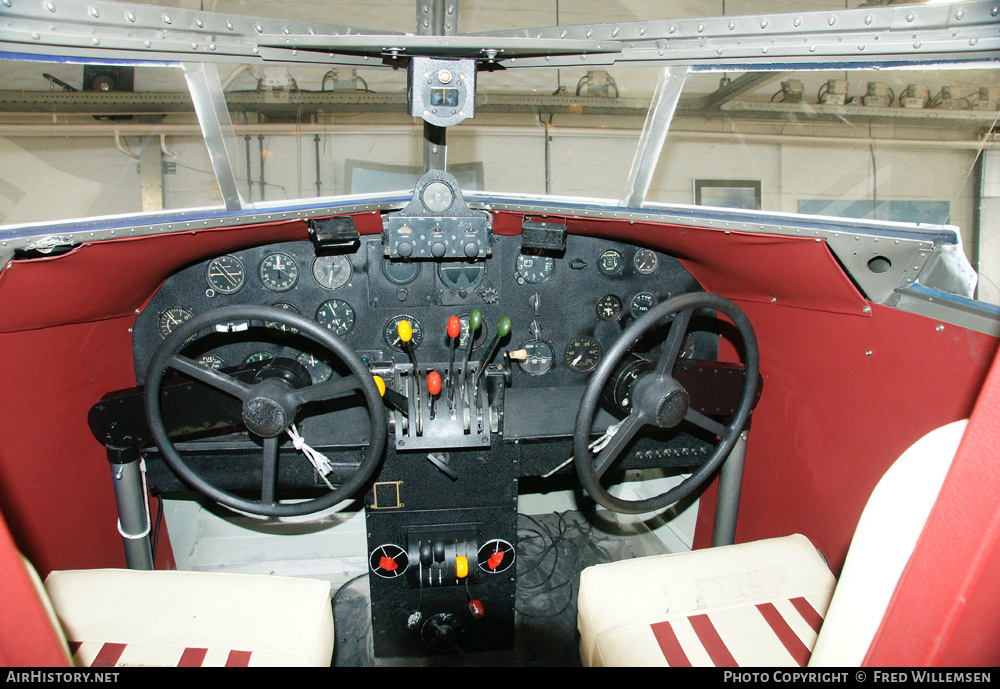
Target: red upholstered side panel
[946, 609]
[65, 342]
[27, 638]
[108, 279]
[832, 418]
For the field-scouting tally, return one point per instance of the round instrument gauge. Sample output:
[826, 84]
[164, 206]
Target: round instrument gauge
[332, 272]
[401, 272]
[281, 326]
[496, 556]
[278, 272]
[611, 262]
[336, 315]
[463, 336]
[390, 333]
[540, 357]
[437, 197]
[609, 307]
[257, 357]
[388, 561]
[212, 361]
[171, 318]
[226, 274]
[641, 303]
[462, 276]
[319, 369]
[533, 269]
[645, 261]
[582, 354]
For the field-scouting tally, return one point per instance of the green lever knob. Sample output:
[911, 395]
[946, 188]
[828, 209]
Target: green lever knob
[475, 319]
[503, 327]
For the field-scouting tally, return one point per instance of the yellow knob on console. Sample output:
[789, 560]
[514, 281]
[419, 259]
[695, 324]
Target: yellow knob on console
[461, 566]
[405, 331]
[380, 384]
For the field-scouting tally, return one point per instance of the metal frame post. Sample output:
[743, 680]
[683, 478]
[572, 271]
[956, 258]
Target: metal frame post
[134, 520]
[727, 505]
[654, 133]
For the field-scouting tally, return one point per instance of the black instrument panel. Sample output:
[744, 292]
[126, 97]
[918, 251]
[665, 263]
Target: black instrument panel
[565, 309]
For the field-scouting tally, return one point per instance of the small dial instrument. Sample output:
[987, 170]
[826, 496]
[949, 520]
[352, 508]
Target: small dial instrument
[171, 318]
[282, 326]
[533, 269]
[332, 272]
[609, 307]
[641, 303]
[278, 272]
[257, 357]
[582, 354]
[390, 333]
[462, 276]
[226, 274]
[539, 359]
[463, 337]
[437, 197]
[336, 315]
[319, 369]
[645, 261]
[401, 272]
[388, 561]
[212, 361]
[611, 262]
[496, 556]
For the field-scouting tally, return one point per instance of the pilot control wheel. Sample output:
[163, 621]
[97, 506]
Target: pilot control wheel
[660, 401]
[269, 408]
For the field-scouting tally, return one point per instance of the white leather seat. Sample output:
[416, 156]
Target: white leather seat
[118, 618]
[771, 602]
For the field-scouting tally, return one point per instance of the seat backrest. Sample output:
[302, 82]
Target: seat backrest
[885, 537]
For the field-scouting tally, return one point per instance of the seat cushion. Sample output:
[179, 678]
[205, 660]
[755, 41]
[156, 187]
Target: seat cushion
[758, 603]
[120, 618]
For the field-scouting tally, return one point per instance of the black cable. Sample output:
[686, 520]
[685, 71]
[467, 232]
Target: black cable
[156, 529]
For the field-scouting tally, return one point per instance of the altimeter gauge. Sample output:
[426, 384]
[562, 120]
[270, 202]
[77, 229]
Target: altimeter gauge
[336, 315]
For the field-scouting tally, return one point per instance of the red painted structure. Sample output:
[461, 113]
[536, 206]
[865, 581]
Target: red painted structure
[846, 390]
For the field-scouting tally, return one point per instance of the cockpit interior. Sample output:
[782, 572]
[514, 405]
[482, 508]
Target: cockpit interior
[491, 374]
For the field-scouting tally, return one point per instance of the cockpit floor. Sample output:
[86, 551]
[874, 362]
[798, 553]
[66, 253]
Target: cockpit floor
[552, 551]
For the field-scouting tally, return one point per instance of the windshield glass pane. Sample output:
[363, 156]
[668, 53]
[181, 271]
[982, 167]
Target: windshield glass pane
[898, 145]
[86, 140]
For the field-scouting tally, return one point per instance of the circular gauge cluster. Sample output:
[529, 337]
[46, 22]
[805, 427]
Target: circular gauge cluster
[611, 262]
[539, 359]
[641, 303]
[278, 272]
[171, 318]
[332, 272]
[390, 332]
[582, 354]
[226, 274]
[533, 269]
[336, 315]
[645, 262]
[609, 307]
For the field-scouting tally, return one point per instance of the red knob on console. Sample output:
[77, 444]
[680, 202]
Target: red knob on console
[434, 382]
[477, 609]
[454, 327]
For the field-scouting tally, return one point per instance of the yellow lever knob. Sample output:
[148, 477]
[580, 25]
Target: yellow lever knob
[461, 566]
[405, 331]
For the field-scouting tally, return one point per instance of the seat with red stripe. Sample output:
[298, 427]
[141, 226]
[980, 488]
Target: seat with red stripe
[120, 618]
[766, 603]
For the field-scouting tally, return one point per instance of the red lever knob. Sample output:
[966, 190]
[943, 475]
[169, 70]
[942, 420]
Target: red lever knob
[434, 382]
[387, 564]
[494, 560]
[477, 609]
[454, 327]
